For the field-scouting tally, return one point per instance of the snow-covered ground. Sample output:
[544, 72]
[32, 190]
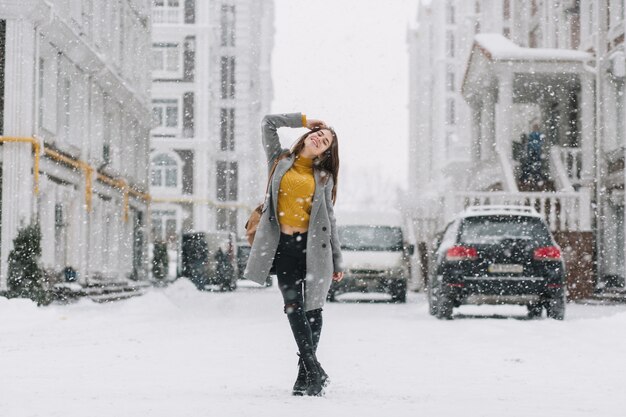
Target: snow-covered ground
[179, 352]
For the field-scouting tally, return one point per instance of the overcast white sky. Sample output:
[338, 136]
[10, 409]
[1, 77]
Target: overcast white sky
[346, 62]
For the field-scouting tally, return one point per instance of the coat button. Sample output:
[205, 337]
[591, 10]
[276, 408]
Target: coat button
[323, 245]
[324, 228]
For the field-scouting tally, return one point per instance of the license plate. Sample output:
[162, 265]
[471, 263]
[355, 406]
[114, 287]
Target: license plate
[506, 268]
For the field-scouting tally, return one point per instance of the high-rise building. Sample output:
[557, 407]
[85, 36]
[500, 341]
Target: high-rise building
[74, 126]
[211, 86]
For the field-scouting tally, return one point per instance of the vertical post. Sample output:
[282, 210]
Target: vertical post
[587, 129]
[504, 113]
[476, 134]
[487, 122]
[601, 10]
[623, 143]
[17, 176]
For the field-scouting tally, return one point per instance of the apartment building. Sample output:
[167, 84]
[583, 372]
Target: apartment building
[211, 86]
[74, 126]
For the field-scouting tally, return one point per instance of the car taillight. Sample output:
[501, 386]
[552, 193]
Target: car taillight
[548, 253]
[461, 253]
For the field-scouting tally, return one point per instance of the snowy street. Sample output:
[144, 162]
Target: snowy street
[180, 352]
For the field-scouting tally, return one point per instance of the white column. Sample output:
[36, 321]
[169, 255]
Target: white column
[475, 144]
[487, 126]
[587, 128]
[504, 113]
[17, 178]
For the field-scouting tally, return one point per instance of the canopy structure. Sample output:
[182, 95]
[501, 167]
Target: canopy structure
[500, 74]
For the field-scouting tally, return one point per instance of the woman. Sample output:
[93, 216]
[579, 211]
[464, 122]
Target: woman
[298, 236]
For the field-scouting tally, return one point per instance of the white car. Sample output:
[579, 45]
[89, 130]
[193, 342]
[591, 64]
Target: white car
[375, 254]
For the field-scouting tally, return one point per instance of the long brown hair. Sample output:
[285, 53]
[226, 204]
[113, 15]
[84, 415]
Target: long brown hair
[328, 161]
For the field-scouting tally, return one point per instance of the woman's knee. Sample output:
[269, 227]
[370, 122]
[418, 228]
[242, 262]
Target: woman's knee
[293, 307]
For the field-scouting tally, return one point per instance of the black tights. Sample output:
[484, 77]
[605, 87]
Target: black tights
[290, 262]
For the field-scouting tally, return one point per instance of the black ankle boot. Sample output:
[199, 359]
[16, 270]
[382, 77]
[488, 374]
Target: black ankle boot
[299, 388]
[313, 375]
[323, 376]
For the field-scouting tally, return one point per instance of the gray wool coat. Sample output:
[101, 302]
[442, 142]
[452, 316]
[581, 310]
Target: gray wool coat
[323, 256]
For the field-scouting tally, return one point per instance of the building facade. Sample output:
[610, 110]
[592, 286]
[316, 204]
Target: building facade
[75, 121]
[211, 87]
[555, 66]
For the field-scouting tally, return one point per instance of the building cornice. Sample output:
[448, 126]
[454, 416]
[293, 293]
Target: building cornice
[76, 48]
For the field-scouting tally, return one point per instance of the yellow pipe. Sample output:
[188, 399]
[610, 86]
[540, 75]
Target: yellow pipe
[210, 203]
[83, 166]
[77, 164]
[36, 148]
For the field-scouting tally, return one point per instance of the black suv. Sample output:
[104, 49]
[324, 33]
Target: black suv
[497, 255]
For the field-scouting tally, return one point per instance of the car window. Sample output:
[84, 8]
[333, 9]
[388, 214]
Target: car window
[494, 229]
[374, 238]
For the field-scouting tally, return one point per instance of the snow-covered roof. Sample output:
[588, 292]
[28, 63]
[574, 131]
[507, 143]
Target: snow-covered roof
[497, 47]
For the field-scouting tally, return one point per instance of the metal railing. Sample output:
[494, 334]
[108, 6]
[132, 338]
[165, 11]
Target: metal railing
[563, 211]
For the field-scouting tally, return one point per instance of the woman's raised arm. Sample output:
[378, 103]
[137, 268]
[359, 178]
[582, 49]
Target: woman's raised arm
[270, 125]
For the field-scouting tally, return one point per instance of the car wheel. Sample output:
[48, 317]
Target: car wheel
[432, 303]
[444, 307]
[555, 307]
[398, 292]
[534, 310]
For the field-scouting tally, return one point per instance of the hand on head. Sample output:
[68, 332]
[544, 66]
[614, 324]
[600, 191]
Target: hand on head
[313, 123]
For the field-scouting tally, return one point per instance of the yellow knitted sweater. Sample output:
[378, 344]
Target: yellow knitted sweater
[295, 196]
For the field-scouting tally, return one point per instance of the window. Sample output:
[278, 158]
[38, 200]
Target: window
[227, 73]
[165, 113]
[227, 25]
[507, 9]
[166, 57]
[227, 177]
[60, 234]
[66, 107]
[450, 112]
[450, 44]
[619, 120]
[478, 17]
[164, 226]
[533, 37]
[227, 129]
[450, 18]
[226, 219]
[48, 93]
[106, 132]
[450, 80]
[164, 171]
[615, 13]
[167, 11]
